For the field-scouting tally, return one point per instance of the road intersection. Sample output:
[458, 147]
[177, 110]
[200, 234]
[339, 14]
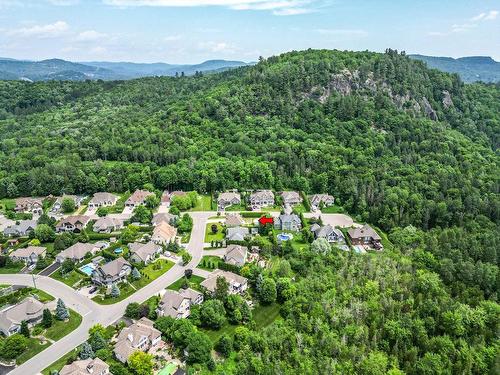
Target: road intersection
[93, 313]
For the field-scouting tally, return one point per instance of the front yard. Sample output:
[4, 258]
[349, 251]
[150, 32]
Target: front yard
[149, 273]
[217, 236]
[70, 278]
[204, 203]
[193, 283]
[209, 262]
[60, 329]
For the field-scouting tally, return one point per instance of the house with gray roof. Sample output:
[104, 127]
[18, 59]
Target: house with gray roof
[288, 222]
[234, 220]
[365, 235]
[236, 284]
[29, 205]
[77, 252]
[102, 199]
[331, 234]
[291, 198]
[28, 255]
[178, 304]
[107, 224]
[112, 272]
[29, 310]
[144, 252]
[261, 198]
[139, 336]
[95, 366]
[21, 228]
[317, 199]
[138, 198]
[227, 199]
[237, 233]
[74, 224]
[236, 255]
[166, 217]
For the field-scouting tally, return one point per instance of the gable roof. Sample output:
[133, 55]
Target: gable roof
[106, 222]
[164, 231]
[102, 197]
[170, 302]
[27, 309]
[130, 337]
[262, 195]
[233, 220]
[26, 252]
[144, 250]
[22, 227]
[163, 216]
[114, 267]
[74, 219]
[289, 218]
[85, 367]
[228, 196]
[77, 251]
[237, 233]
[364, 231]
[210, 282]
[138, 197]
[286, 195]
[235, 254]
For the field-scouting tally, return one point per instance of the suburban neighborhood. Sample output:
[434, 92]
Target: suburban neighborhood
[111, 251]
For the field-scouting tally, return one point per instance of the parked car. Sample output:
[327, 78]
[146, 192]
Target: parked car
[31, 267]
[93, 290]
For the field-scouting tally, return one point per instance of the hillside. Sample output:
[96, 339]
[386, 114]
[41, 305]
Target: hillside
[412, 150]
[61, 70]
[470, 69]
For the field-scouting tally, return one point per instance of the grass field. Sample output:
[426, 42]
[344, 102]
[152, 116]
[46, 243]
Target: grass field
[209, 262]
[15, 268]
[59, 364]
[194, 283]
[70, 279]
[60, 329]
[204, 203]
[333, 210]
[34, 347]
[300, 208]
[218, 236]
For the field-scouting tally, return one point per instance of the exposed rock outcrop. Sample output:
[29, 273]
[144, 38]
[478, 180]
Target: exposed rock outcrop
[429, 111]
[447, 102]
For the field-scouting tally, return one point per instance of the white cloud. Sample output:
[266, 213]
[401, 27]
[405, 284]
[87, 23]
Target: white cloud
[277, 7]
[90, 36]
[347, 32]
[485, 16]
[219, 47]
[63, 2]
[51, 30]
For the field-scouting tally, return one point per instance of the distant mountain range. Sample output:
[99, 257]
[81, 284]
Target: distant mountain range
[470, 69]
[57, 69]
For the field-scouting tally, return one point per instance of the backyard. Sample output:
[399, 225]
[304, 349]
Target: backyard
[209, 262]
[204, 203]
[70, 278]
[217, 236]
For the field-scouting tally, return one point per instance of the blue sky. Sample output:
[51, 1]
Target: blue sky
[190, 31]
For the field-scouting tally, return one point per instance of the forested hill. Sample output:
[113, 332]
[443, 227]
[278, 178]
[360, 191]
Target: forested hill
[409, 149]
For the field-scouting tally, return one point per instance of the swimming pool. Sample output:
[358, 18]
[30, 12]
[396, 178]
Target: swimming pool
[118, 250]
[87, 269]
[359, 249]
[284, 236]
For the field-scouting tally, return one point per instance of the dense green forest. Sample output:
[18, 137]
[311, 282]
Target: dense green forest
[407, 148]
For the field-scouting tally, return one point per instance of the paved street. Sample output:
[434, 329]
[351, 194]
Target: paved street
[94, 313]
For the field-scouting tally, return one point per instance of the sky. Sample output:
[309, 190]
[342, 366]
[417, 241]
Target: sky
[192, 31]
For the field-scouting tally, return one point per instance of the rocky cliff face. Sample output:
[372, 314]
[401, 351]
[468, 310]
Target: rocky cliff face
[347, 82]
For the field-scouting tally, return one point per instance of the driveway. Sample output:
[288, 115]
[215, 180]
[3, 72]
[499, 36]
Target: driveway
[50, 269]
[94, 313]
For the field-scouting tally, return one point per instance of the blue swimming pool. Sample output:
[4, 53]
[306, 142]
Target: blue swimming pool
[118, 250]
[87, 268]
[284, 236]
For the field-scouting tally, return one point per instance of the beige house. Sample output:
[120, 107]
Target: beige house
[29, 310]
[139, 336]
[102, 200]
[227, 199]
[236, 255]
[261, 198]
[178, 304]
[107, 224]
[366, 236]
[28, 255]
[89, 366]
[166, 217]
[28, 204]
[237, 284]
[144, 252]
[75, 224]
[234, 220]
[317, 199]
[163, 234]
[138, 198]
[290, 198]
[77, 252]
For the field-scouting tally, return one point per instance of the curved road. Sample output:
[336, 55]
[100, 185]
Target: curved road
[94, 313]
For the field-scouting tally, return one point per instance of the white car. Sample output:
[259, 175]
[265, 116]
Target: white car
[31, 267]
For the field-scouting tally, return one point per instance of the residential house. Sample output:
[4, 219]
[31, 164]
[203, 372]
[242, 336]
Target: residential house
[29, 310]
[164, 217]
[237, 233]
[21, 228]
[57, 206]
[328, 232]
[178, 304]
[165, 199]
[288, 222]
[77, 252]
[290, 198]
[163, 234]
[28, 255]
[138, 198]
[112, 272]
[107, 224]
[234, 220]
[317, 199]
[236, 255]
[75, 224]
[261, 198]
[139, 336]
[28, 204]
[102, 200]
[88, 366]
[228, 199]
[237, 284]
[365, 235]
[144, 252]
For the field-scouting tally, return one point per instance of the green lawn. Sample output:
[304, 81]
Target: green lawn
[204, 203]
[149, 273]
[7, 204]
[300, 208]
[60, 329]
[297, 241]
[14, 268]
[59, 364]
[209, 262]
[34, 347]
[194, 283]
[236, 207]
[333, 210]
[70, 279]
[218, 236]
[185, 237]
